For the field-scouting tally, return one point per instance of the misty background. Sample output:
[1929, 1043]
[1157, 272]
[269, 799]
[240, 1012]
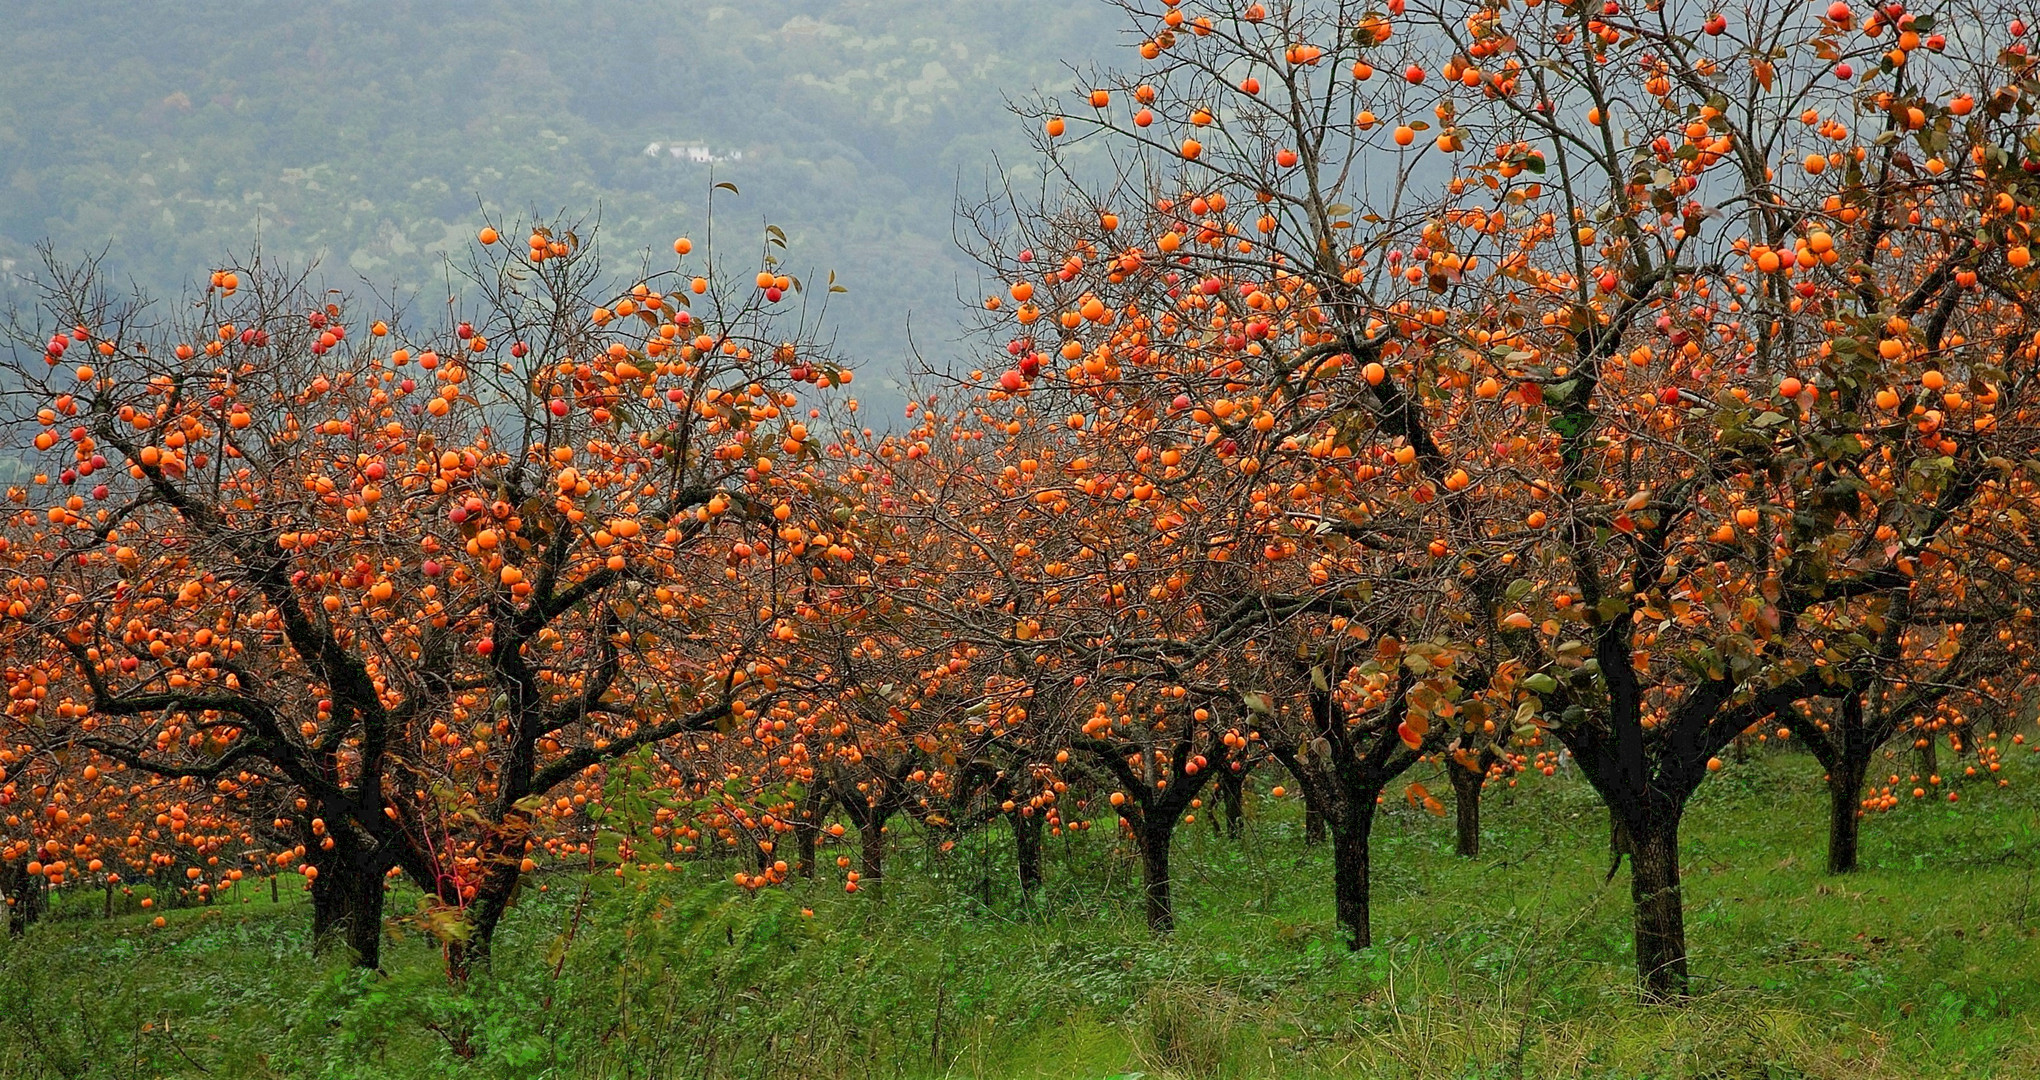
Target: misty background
[366, 135]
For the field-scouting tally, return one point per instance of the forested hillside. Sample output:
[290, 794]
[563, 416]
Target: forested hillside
[362, 134]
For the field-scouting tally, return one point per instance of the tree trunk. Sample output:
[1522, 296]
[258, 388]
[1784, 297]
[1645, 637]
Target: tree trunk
[1231, 794]
[1313, 826]
[1845, 802]
[871, 855]
[1619, 843]
[1466, 785]
[1350, 890]
[1660, 915]
[492, 898]
[1027, 851]
[807, 830]
[1154, 876]
[365, 930]
[806, 835]
[347, 906]
[27, 896]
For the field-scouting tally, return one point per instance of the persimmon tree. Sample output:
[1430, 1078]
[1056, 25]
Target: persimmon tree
[416, 582]
[1204, 318]
[1726, 283]
[1002, 533]
[1935, 655]
[1626, 336]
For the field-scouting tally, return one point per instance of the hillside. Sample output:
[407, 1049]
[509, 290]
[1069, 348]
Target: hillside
[363, 134]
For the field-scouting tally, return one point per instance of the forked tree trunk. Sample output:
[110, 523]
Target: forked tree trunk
[1466, 789]
[1660, 916]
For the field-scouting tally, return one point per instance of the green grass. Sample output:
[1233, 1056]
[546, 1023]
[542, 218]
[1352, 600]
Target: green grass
[1513, 965]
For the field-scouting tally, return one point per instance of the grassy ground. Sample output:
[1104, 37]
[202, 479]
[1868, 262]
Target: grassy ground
[1513, 965]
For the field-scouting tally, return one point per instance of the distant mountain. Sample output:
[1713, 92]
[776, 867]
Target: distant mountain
[363, 132]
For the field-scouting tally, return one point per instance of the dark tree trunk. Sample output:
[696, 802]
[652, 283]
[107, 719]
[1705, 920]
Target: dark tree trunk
[1156, 809]
[1350, 888]
[871, 855]
[1313, 826]
[1027, 851]
[805, 836]
[1154, 875]
[1466, 785]
[807, 831]
[1231, 794]
[27, 896]
[1930, 755]
[1342, 781]
[1660, 915]
[493, 896]
[1845, 801]
[347, 910]
[463, 958]
[1619, 842]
